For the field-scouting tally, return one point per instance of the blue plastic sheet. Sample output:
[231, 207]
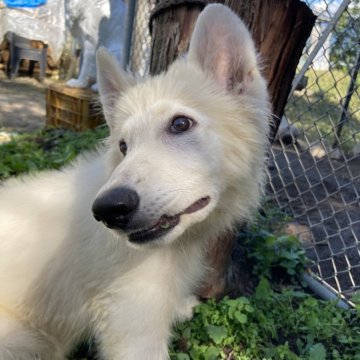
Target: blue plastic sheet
[24, 3]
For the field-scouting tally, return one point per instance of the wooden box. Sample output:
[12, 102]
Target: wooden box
[78, 109]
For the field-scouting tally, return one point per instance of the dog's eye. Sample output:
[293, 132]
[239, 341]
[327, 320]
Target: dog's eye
[180, 124]
[123, 147]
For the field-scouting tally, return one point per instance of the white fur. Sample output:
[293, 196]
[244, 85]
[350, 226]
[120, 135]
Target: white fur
[64, 276]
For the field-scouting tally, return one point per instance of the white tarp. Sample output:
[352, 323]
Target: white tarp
[45, 23]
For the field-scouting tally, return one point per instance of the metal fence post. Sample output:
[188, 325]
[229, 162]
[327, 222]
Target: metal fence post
[130, 16]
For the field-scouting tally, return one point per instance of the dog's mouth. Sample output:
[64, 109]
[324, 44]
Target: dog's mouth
[166, 223]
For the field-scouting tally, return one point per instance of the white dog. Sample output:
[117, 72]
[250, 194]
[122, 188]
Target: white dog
[184, 162]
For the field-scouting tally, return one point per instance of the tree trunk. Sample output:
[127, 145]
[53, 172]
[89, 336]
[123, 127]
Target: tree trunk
[171, 28]
[280, 29]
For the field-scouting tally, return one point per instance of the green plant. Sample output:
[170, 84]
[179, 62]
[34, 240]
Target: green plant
[45, 149]
[356, 300]
[285, 325]
[280, 321]
[269, 252]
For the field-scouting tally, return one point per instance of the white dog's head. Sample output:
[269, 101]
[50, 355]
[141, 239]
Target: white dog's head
[186, 149]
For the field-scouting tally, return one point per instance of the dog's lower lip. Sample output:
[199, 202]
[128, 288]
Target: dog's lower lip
[166, 223]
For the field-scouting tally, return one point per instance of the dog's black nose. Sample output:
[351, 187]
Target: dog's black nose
[115, 207]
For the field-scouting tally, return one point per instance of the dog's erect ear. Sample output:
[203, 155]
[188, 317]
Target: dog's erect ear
[222, 45]
[112, 82]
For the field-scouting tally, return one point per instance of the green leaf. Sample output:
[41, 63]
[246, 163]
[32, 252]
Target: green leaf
[263, 290]
[217, 333]
[182, 356]
[317, 352]
[241, 318]
[356, 298]
[212, 353]
[187, 332]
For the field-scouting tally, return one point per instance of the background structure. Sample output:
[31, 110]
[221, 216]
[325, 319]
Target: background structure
[314, 176]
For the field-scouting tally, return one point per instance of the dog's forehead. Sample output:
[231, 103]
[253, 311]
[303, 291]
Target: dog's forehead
[178, 86]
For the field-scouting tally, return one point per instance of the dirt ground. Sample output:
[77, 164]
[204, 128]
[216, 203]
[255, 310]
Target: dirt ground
[22, 104]
[327, 215]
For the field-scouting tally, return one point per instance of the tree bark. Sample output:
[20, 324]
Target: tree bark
[280, 29]
[171, 28]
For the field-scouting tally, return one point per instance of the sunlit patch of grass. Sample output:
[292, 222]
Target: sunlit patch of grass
[317, 109]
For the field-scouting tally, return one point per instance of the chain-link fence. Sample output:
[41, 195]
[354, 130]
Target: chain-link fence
[314, 172]
[314, 167]
[139, 47]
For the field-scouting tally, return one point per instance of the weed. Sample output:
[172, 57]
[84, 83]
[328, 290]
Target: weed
[277, 322]
[285, 325]
[45, 149]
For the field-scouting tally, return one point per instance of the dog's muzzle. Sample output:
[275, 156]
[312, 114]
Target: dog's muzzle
[166, 223]
[116, 207]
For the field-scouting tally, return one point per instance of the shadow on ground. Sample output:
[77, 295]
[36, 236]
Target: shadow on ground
[22, 104]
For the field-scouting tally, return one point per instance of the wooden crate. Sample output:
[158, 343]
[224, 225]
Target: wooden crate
[78, 109]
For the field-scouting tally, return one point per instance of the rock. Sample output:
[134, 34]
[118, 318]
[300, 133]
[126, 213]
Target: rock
[287, 133]
[303, 232]
[5, 137]
[320, 149]
[356, 149]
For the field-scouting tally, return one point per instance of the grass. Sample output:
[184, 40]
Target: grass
[317, 109]
[281, 320]
[285, 324]
[45, 149]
